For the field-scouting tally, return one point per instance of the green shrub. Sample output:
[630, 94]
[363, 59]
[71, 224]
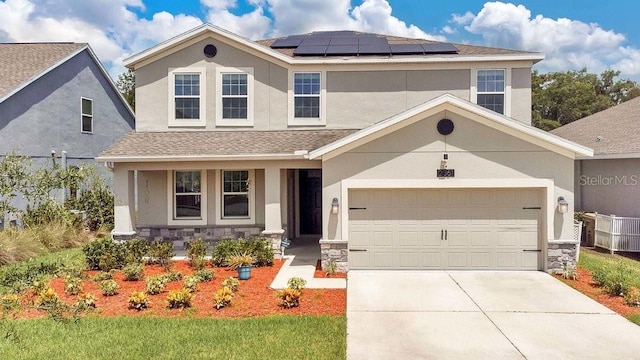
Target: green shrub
[133, 272]
[135, 250]
[85, 302]
[47, 298]
[161, 252]
[570, 272]
[104, 254]
[191, 283]
[179, 299]
[259, 248]
[109, 287]
[9, 302]
[614, 280]
[155, 284]
[173, 276]
[632, 297]
[231, 282]
[104, 275]
[138, 301]
[289, 298]
[205, 275]
[599, 275]
[96, 199]
[20, 278]
[196, 253]
[297, 283]
[40, 282]
[223, 297]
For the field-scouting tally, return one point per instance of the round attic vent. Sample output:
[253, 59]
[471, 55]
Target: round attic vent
[445, 127]
[210, 50]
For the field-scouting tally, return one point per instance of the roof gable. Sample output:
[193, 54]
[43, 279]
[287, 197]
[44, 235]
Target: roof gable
[462, 107]
[285, 57]
[23, 63]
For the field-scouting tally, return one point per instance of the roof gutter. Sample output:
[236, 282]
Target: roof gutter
[298, 155]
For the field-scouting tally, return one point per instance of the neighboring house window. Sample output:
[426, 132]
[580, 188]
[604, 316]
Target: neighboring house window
[188, 195]
[307, 98]
[86, 111]
[235, 194]
[491, 89]
[235, 99]
[187, 105]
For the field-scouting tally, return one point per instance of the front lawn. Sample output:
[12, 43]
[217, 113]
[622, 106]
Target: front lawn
[273, 337]
[593, 260]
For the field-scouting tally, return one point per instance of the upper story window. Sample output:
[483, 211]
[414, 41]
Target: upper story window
[234, 102]
[491, 89]
[187, 106]
[86, 114]
[307, 98]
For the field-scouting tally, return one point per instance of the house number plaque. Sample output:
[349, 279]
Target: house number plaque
[445, 173]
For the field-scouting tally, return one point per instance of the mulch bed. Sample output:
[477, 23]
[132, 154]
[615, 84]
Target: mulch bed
[585, 285]
[253, 297]
[319, 273]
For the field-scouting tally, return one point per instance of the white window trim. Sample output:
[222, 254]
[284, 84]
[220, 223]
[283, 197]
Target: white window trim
[250, 97]
[252, 200]
[171, 200]
[202, 121]
[507, 87]
[322, 120]
[83, 115]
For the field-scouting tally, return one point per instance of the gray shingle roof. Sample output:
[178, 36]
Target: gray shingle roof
[21, 62]
[609, 132]
[463, 49]
[220, 143]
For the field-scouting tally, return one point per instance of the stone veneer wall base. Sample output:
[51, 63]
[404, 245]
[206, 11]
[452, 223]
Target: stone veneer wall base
[561, 253]
[334, 251]
[180, 236]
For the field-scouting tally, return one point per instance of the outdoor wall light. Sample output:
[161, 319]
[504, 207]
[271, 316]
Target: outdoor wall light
[563, 205]
[335, 205]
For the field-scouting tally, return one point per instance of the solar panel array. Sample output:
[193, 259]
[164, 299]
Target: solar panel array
[333, 43]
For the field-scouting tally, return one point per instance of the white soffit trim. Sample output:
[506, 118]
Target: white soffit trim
[234, 39]
[611, 156]
[186, 158]
[467, 109]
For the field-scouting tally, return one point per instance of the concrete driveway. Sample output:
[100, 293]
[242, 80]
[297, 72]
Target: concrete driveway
[479, 315]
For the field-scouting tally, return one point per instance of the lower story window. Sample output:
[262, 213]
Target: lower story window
[235, 194]
[188, 195]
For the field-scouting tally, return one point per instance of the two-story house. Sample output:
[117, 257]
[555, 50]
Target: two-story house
[58, 103]
[397, 153]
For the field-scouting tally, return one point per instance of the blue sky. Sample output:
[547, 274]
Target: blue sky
[572, 34]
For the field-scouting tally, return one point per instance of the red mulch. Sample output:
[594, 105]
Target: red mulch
[253, 297]
[585, 285]
[323, 274]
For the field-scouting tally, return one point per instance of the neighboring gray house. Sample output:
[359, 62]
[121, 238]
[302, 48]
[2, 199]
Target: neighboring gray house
[396, 153]
[55, 98]
[608, 182]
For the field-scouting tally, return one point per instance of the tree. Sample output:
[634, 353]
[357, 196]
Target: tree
[562, 97]
[127, 86]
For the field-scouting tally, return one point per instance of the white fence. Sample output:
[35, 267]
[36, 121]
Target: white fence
[617, 233]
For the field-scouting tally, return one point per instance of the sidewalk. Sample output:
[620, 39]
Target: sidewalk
[305, 272]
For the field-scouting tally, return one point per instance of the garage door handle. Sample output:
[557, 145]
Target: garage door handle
[526, 250]
[357, 250]
[357, 208]
[441, 234]
[446, 236]
[531, 208]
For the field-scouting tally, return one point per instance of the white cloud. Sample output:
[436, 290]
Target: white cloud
[252, 25]
[567, 43]
[463, 19]
[449, 30]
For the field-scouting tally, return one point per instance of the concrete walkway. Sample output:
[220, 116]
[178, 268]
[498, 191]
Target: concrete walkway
[301, 261]
[479, 315]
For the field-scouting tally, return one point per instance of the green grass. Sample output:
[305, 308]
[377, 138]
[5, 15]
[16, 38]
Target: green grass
[635, 318]
[274, 337]
[592, 260]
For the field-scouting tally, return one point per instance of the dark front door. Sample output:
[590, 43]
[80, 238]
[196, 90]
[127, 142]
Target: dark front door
[310, 201]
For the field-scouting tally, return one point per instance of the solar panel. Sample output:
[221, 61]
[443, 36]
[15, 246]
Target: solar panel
[372, 40]
[374, 49]
[309, 41]
[288, 42]
[439, 48]
[310, 50]
[342, 50]
[344, 40]
[406, 49]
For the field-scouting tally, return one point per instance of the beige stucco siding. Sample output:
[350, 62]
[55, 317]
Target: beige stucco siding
[610, 186]
[426, 85]
[521, 94]
[476, 152]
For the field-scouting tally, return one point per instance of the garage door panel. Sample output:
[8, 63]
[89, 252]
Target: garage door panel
[485, 229]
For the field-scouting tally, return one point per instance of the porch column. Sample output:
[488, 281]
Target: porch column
[124, 209]
[272, 209]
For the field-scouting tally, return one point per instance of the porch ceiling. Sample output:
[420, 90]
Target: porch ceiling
[154, 145]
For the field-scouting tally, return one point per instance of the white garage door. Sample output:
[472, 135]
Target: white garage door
[445, 229]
